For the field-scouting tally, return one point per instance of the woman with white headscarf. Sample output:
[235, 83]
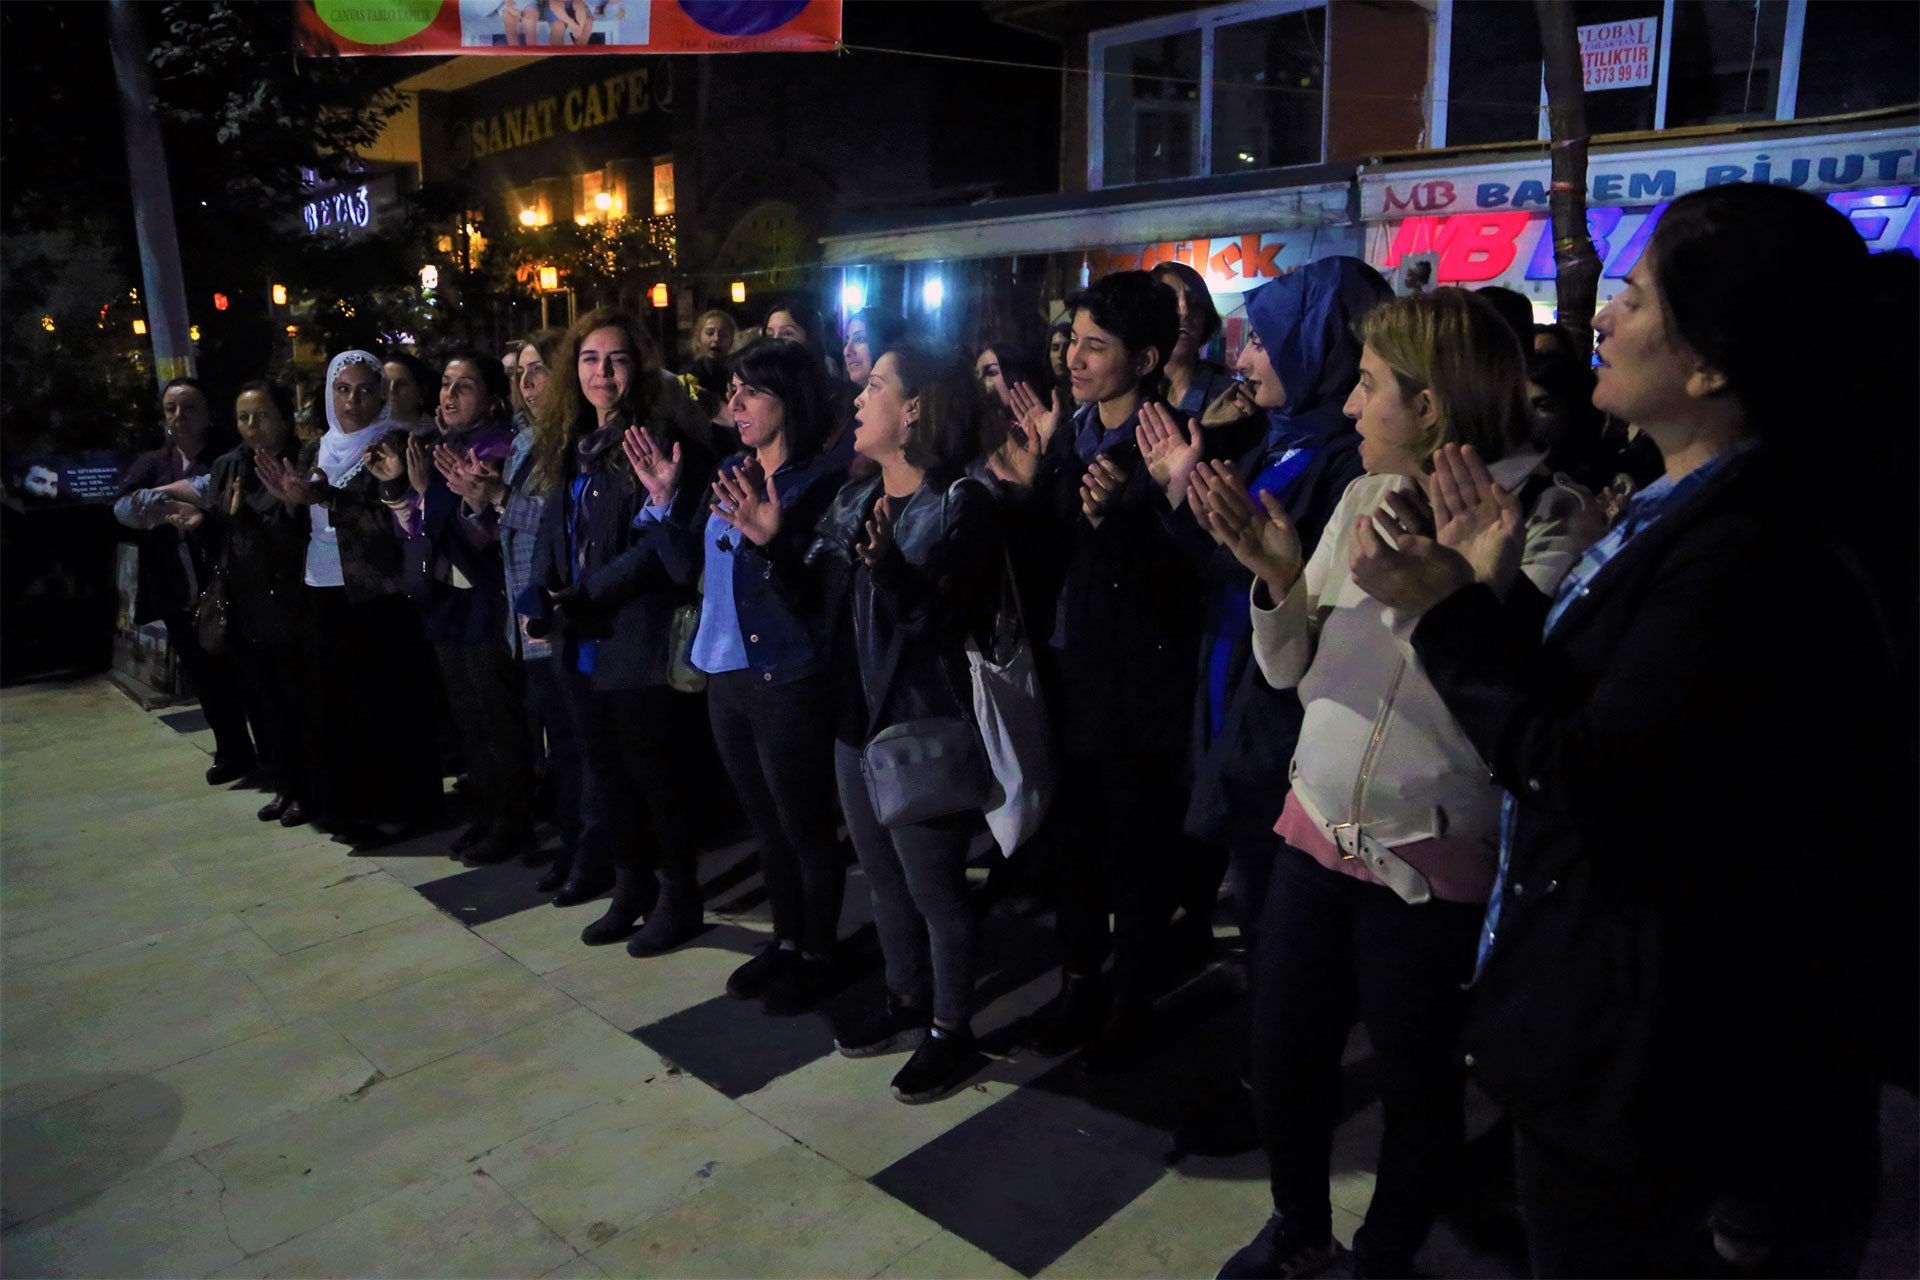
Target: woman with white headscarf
[370, 671]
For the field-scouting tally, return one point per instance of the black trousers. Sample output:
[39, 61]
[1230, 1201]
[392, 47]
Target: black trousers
[489, 710]
[273, 680]
[634, 746]
[1332, 947]
[1126, 855]
[776, 742]
[551, 720]
[375, 713]
[217, 685]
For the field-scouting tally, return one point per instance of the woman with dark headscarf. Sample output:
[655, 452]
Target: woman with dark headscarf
[1299, 365]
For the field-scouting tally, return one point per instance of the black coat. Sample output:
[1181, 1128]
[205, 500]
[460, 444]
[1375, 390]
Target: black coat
[371, 559]
[265, 543]
[634, 576]
[1128, 610]
[1686, 946]
[163, 587]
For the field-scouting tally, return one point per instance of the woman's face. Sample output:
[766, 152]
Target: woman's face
[715, 338]
[1057, 344]
[758, 415]
[1391, 428]
[184, 410]
[1099, 364]
[511, 363]
[606, 367]
[262, 429]
[1255, 365]
[1644, 367]
[883, 416]
[464, 401]
[1189, 341]
[533, 377]
[403, 393]
[358, 393]
[782, 325]
[857, 355]
[992, 381]
[1549, 415]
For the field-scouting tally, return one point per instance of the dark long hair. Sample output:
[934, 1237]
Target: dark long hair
[794, 376]
[946, 436]
[566, 412]
[1781, 340]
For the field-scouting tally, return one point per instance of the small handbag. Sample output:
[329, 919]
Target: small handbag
[213, 611]
[1012, 720]
[681, 673]
[923, 769]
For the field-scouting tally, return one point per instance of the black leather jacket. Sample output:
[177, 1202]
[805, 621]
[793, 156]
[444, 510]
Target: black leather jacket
[937, 587]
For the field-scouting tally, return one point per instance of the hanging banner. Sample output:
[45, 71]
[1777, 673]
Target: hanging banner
[355, 28]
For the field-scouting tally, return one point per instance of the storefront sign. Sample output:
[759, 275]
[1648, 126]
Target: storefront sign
[1619, 55]
[1881, 158]
[1512, 248]
[518, 27]
[587, 106]
[1231, 264]
[343, 208]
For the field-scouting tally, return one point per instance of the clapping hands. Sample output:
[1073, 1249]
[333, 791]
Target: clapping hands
[657, 470]
[737, 500]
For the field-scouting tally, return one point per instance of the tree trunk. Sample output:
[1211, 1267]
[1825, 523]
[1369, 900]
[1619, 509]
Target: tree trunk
[1576, 265]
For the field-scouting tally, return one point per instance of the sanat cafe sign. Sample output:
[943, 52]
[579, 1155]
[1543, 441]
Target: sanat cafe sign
[1489, 222]
[442, 27]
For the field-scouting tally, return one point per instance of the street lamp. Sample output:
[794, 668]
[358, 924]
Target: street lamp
[279, 295]
[739, 292]
[549, 279]
[659, 294]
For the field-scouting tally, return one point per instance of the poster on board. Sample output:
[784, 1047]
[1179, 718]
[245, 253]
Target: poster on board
[356, 28]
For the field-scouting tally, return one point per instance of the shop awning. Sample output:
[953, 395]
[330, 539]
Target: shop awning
[1056, 224]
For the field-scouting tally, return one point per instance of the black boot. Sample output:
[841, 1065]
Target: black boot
[634, 891]
[510, 837]
[1073, 1016]
[675, 917]
[556, 873]
[590, 876]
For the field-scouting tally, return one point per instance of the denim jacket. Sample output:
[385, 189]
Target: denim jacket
[777, 596]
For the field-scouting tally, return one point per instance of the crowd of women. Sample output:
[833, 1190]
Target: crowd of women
[1564, 755]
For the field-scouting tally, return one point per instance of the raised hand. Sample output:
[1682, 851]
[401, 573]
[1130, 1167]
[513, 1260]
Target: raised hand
[1475, 517]
[1099, 488]
[419, 470]
[1231, 405]
[737, 501]
[1261, 538]
[1017, 461]
[383, 463]
[656, 470]
[1033, 417]
[1170, 455]
[1400, 568]
[281, 479]
[879, 535]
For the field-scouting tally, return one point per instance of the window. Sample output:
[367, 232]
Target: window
[1856, 57]
[1221, 90]
[1716, 62]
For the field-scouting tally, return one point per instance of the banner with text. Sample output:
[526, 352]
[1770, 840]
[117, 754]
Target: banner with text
[356, 28]
[1837, 162]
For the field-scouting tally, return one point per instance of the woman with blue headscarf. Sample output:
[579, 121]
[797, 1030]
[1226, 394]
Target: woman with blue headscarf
[1299, 363]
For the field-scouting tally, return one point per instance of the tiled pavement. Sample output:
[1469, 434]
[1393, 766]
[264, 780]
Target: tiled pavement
[232, 1049]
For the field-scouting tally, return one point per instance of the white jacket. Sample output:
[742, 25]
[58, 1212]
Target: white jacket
[1378, 749]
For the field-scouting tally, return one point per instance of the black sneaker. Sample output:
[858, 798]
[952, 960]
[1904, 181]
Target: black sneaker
[1279, 1254]
[752, 978]
[940, 1065]
[894, 1025]
[800, 987]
